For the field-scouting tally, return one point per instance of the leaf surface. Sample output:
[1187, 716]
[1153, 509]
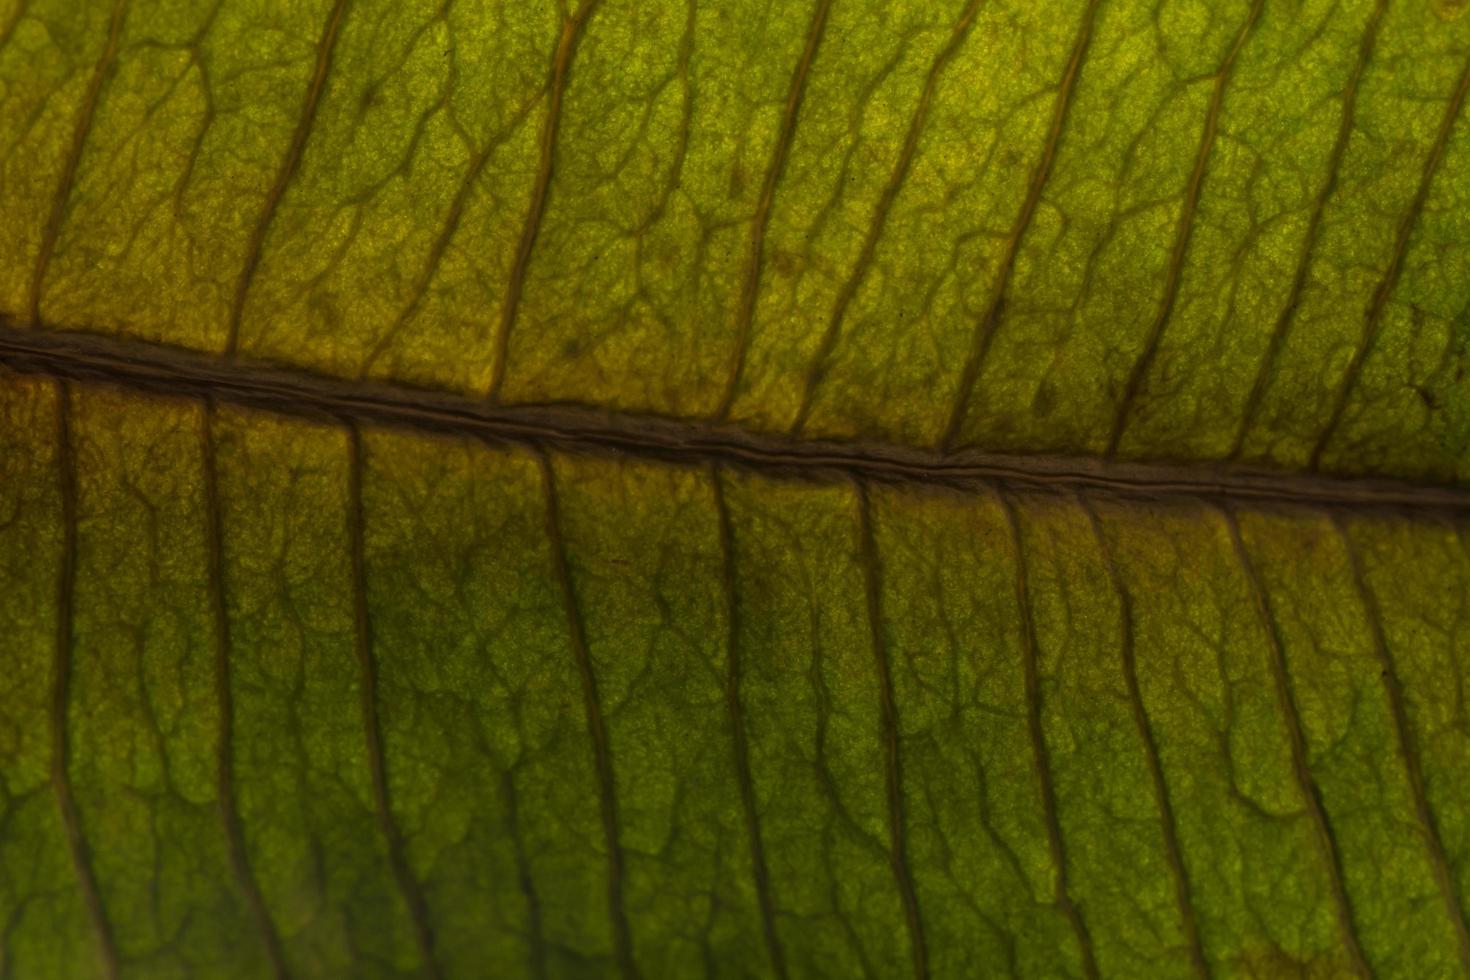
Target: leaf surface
[734, 489]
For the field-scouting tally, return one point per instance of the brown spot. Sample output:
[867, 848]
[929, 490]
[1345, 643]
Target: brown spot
[1449, 9]
[1045, 400]
[784, 262]
[1265, 962]
[370, 98]
[737, 181]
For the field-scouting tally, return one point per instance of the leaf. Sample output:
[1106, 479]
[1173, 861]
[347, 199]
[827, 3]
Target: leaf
[823, 489]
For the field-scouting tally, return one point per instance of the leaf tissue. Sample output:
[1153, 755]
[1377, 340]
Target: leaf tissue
[641, 488]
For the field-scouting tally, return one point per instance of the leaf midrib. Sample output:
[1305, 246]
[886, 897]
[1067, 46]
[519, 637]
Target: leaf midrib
[172, 371]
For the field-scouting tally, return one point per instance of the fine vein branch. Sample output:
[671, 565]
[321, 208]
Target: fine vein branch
[159, 369]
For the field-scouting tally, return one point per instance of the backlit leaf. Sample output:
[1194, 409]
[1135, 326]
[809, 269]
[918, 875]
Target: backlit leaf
[818, 489]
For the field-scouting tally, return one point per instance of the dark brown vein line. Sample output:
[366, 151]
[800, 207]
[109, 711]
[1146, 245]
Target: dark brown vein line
[888, 713]
[1184, 230]
[229, 810]
[71, 820]
[1055, 845]
[447, 230]
[1314, 230]
[176, 373]
[1373, 322]
[536, 931]
[1297, 742]
[408, 886]
[7, 32]
[739, 740]
[311, 101]
[596, 723]
[881, 212]
[985, 326]
[556, 84]
[686, 120]
[1173, 853]
[86, 114]
[755, 247]
[1408, 751]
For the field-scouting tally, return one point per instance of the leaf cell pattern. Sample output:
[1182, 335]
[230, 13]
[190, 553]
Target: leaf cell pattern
[567, 488]
[355, 699]
[1156, 231]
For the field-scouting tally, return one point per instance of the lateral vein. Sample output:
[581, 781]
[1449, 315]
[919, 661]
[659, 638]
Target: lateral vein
[229, 811]
[255, 246]
[881, 212]
[561, 65]
[1372, 323]
[596, 723]
[1297, 742]
[888, 713]
[739, 741]
[1041, 757]
[474, 169]
[755, 247]
[1184, 230]
[1173, 853]
[71, 820]
[1314, 230]
[408, 887]
[86, 114]
[985, 326]
[17, 14]
[535, 930]
[1407, 750]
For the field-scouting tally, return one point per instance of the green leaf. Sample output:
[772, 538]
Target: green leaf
[836, 488]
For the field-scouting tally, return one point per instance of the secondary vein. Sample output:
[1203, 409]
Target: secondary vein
[888, 712]
[1173, 853]
[408, 886]
[1041, 756]
[229, 811]
[596, 725]
[71, 821]
[1297, 742]
[878, 220]
[1282, 328]
[255, 247]
[1408, 752]
[1184, 231]
[561, 65]
[1373, 320]
[86, 115]
[986, 325]
[755, 246]
[740, 742]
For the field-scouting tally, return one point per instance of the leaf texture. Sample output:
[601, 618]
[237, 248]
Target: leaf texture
[621, 716]
[724, 488]
[1183, 231]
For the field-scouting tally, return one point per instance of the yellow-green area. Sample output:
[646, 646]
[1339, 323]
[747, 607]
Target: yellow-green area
[291, 696]
[1167, 230]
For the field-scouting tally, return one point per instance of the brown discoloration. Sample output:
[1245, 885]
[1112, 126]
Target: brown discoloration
[1448, 10]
